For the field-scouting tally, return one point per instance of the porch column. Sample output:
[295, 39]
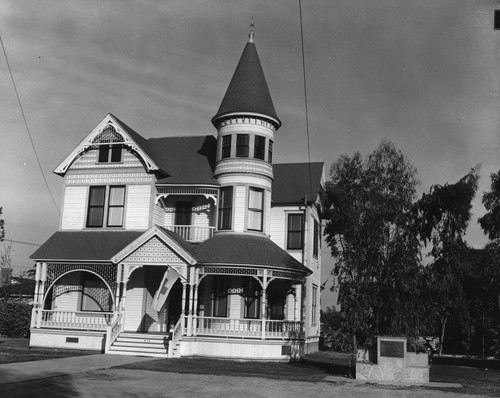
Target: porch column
[41, 292]
[126, 276]
[183, 307]
[190, 304]
[118, 286]
[295, 303]
[195, 303]
[264, 304]
[36, 298]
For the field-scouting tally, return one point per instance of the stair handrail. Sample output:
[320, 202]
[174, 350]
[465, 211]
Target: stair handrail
[113, 330]
[175, 333]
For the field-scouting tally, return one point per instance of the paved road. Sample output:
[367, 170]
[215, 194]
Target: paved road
[88, 376]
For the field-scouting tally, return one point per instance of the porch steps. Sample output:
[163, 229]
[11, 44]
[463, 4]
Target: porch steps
[140, 344]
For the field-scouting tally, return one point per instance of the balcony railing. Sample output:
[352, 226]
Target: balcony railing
[237, 327]
[83, 320]
[192, 233]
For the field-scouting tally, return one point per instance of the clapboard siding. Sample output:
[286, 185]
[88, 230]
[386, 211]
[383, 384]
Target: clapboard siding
[239, 207]
[66, 294]
[74, 207]
[158, 215]
[138, 206]
[134, 306]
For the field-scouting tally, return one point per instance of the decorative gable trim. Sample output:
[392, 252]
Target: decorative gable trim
[149, 239]
[103, 134]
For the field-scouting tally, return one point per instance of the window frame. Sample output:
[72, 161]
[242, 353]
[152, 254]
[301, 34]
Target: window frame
[242, 148]
[220, 297]
[255, 210]
[252, 298]
[270, 151]
[95, 281]
[314, 304]
[259, 147]
[225, 209]
[105, 206]
[226, 146]
[110, 153]
[295, 231]
[316, 239]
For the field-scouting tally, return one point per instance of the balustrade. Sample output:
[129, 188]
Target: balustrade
[85, 320]
[192, 233]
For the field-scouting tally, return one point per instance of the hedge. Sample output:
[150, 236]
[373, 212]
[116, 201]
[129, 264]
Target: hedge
[15, 318]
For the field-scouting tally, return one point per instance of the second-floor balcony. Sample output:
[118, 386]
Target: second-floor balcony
[192, 233]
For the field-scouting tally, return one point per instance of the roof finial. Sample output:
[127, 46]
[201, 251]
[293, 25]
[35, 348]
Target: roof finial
[250, 35]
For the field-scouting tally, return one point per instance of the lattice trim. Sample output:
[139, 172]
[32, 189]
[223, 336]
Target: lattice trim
[108, 135]
[106, 271]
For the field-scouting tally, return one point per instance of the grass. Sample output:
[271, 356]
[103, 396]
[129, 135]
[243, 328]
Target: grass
[18, 350]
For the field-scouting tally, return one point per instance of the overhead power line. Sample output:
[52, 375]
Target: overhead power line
[23, 243]
[27, 128]
[305, 98]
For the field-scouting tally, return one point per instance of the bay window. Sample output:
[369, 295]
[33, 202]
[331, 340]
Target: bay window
[255, 209]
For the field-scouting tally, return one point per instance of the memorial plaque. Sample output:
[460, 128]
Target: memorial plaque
[394, 349]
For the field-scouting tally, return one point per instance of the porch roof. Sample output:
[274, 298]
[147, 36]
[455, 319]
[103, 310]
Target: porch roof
[84, 245]
[244, 249]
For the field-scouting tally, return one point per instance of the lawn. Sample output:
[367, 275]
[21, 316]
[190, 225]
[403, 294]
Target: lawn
[17, 350]
[315, 367]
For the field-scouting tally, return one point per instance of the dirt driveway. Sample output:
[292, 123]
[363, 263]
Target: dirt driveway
[141, 383]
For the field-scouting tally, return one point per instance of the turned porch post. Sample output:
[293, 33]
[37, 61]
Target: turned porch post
[190, 304]
[195, 303]
[264, 304]
[183, 309]
[36, 298]
[41, 292]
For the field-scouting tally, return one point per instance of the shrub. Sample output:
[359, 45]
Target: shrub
[15, 318]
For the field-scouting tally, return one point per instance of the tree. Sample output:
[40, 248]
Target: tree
[371, 233]
[442, 218]
[2, 226]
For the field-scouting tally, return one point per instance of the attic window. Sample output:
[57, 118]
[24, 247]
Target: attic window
[110, 154]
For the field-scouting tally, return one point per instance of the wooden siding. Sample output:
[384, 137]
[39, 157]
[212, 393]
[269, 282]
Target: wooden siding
[138, 206]
[89, 160]
[67, 293]
[134, 305]
[74, 207]
[239, 208]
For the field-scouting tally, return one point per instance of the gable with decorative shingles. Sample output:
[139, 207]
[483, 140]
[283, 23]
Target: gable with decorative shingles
[154, 251]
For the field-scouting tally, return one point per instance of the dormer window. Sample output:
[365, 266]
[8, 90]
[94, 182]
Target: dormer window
[242, 145]
[110, 154]
[259, 147]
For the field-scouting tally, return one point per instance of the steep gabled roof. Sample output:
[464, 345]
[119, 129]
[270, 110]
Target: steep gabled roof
[248, 91]
[291, 182]
[245, 249]
[84, 245]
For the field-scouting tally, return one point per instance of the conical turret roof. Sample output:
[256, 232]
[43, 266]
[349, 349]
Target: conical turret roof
[248, 91]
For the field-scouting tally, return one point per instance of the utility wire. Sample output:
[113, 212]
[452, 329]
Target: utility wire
[305, 98]
[27, 128]
[23, 243]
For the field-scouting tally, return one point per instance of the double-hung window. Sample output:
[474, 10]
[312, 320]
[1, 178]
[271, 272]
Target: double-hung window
[219, 298]
[259, 150]
[98, 211]
[242, 145]
[252, 298]
[226, 147]
[295, 231]
[316, 239]
[225, 207]
[255, 209]
[110, 154]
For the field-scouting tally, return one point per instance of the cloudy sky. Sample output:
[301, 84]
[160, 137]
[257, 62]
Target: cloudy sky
[425, 74]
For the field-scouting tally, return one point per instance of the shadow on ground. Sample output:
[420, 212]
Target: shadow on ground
[54, 387]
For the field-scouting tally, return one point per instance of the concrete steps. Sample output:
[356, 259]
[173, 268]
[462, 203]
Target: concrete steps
[141, 344]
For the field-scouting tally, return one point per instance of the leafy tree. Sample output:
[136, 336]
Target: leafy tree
[371, 233]
[442, 218]
[2, 226]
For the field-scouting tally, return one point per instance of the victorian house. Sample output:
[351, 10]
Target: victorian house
[185, 246]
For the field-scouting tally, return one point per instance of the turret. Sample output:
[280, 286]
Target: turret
[246, 122]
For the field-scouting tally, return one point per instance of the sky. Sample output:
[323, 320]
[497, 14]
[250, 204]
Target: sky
[424, 74]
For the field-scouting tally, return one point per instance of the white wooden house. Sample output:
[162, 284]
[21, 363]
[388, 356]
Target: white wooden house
[185, 246]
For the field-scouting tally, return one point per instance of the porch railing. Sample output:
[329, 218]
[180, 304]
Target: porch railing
[192, 233]
[113, 331]
[177, 332]
[238, 327]
[85, 320]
